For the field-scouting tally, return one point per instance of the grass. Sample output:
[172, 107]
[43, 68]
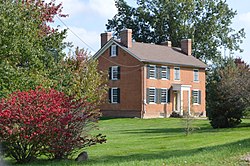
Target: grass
[163, 142]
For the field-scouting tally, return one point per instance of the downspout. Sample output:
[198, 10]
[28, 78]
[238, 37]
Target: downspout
[143, 91]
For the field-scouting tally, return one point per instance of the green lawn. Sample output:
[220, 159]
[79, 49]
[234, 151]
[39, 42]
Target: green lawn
[161, 142]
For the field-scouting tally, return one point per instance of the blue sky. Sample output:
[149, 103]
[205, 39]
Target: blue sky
[87, 19]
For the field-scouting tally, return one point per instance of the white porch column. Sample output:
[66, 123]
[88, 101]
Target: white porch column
[189, 98]
[181, 98]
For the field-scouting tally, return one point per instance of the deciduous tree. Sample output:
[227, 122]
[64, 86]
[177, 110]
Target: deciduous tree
[207, 23]
[228, 92]
[29, 46]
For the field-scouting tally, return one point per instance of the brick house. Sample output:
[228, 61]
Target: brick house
[149, 80]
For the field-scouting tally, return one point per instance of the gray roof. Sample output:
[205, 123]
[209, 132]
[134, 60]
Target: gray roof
[153, 53]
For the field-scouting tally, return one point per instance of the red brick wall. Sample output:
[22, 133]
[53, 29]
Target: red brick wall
[186, 78]
[130, 83]
[133, 79]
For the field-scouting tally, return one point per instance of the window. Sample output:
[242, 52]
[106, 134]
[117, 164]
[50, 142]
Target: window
[196, 96]
[155, 95]
[196, 75]
[177, 73]
[114, 73]
[113, 50]
[165, 72]
[164, 95]
[152, 95]
[152, 71]
[114, 95]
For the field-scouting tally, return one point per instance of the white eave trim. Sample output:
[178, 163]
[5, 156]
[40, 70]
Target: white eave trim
[108, 44]
[172, 64]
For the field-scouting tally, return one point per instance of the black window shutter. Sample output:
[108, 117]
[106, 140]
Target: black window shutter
[168, 73]
[118, 72]
[169, 96]
[147, 95]
[148, 69]
[116, 47]
[110, 95]
[158, 96]
[110, 50]
[199, 97]
[118, 95]
[110, 72]
[158, 72]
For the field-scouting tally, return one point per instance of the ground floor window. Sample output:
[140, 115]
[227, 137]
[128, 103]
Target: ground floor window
[158, 95]
[114, 95]
[152, 95]
[196, 96]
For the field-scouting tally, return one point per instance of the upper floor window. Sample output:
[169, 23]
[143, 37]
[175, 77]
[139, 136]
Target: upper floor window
[114, 95]
[165, 72]
[152, 71]
[196, 75]
[113, 50]
[177, 73]
[196, 96]
[114, 73]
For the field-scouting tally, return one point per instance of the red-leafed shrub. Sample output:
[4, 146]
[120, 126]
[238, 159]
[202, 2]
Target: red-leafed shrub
[45, 122]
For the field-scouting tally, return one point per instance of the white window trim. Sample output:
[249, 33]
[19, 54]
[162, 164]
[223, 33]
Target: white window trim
[112, 73]
[113, 47]
[179, 73]
[154, 95]
[197, 97]
[166, 67]
[166, 95]
[112, 95]
[194, 75]
[154, 72]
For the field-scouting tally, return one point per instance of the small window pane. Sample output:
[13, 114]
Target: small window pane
[113, 50]
[164, 72]
[152, 95]
[114, 95]
[196, 75]
[114, 72]
[176, 73]
[163, 95]
[195, 97]
[152, 71]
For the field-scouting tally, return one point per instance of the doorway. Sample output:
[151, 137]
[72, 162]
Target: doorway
[176, 107]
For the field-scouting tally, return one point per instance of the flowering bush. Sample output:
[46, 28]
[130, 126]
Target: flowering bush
[45, 122]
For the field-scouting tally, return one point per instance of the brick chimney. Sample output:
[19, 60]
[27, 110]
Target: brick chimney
[105, 37]
[167, 43]
[126, 37]
[186, 46]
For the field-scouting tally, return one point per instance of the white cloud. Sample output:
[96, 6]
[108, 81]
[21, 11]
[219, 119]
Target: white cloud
[245, 18]
[92, 38]
[102, 8]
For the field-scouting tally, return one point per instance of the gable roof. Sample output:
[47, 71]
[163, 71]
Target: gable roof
[159, 54]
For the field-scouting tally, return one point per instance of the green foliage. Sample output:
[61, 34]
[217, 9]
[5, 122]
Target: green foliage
[26, 54]
[78, 76]
[206, 22]
[228, 92]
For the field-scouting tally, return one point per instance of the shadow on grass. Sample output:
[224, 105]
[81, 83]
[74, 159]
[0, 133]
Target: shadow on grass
[201, 128]
[164, 155]
[147, 156]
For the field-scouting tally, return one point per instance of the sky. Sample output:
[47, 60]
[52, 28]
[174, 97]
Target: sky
[87, 19]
